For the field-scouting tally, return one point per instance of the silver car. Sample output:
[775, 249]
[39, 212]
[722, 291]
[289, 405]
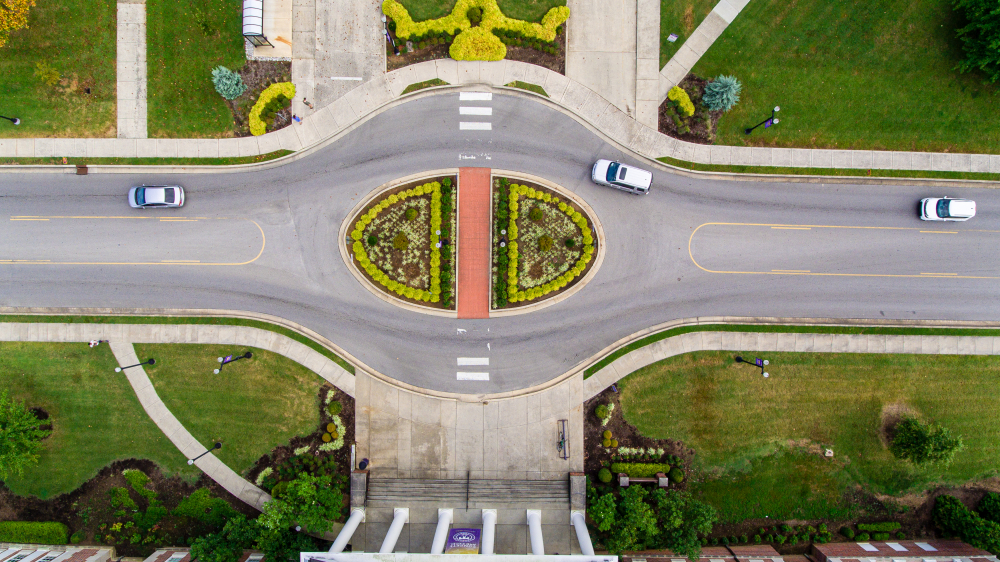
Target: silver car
[146, 196]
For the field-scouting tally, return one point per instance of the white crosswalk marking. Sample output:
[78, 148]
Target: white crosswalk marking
[475, 110]
[474, 126]
[475, 96]
[466, 361]
[464, 376]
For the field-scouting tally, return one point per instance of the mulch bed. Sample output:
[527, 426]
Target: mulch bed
[701, 132]
[258, 75]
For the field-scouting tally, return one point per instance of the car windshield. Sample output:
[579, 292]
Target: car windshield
[140, 196]
[612, 171]
[942, 209]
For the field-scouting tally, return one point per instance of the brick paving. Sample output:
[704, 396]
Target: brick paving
[473, 286]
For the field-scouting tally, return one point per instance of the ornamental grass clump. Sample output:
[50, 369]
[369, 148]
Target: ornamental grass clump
[722, 93]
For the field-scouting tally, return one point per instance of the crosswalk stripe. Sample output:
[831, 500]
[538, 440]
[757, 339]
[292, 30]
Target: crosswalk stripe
[464, 376]
[475, 111]
[475, 96]
[465, 361]
[474, 126]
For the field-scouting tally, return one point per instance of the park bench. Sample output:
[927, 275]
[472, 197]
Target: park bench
[661, 480]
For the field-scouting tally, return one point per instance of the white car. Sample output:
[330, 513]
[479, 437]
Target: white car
[618, 175]
[946, 209]
[146, 196]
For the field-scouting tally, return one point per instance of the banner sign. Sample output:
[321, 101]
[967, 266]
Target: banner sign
[227, 359]
[463, 541]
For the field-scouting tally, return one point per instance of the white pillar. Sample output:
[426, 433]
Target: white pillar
[445, 519]
[400, 516]
[535, 530]
[489, 530]
[357, 516]
[579, 522]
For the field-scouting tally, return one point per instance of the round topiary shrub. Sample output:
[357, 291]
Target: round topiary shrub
[327, 437]
[604, 475]
[76, 537]
[614, 442]
[602, 412]
[536, 214]
[545, 243]
[411, 213]
[372, 240]
[570, 243]
[676, 474]
[607, 434]
[331, 427]
[475, 15]
[401, 242]
[606, 443]
[334, 408]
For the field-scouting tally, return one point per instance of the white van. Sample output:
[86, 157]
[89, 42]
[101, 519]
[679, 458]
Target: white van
[626, 178]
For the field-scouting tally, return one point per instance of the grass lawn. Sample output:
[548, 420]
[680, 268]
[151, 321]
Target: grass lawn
[185, 40]
[528, 10]
[95, 415]
[77, 38]
[748, 431]
[680, 17]
[251, 406]
[863, 75]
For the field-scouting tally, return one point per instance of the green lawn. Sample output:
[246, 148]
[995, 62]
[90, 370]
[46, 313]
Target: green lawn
[185, 40]
[680, 17]
[251, 406]
[95, 415]
[528, 10]
[77, 38]
[748, 430]
[864, 75]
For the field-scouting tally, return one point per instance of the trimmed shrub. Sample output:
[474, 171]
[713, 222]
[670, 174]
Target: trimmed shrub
[33, 532]
[952, 517]
[570, 243]
[77, 537]
[545, 243]
[602, 412]
[475, 15]
[607, 443]
[401, 242]
[744, 539]
[989, 507]
[681, 98]
[229, 84]
[901, 535]
[676, 475]
[604, 475]
[334, 407]
[722, 93]
[847, 532]
[862, 537]
[283, 89]
[884, 527]
[458, 20]
[756, 539]
[477, 44]
[536, 214]
[411, 214]
[607, 434]
[372, 240]
[880, 536]
[614, 443]
[639, 470]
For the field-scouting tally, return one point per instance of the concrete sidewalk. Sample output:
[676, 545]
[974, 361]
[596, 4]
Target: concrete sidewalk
[131, 68]
[601, 49]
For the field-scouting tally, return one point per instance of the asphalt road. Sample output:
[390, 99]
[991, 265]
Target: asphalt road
[266, 241]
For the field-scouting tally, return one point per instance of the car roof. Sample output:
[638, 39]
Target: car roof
[155, 194]
[961, 208]
[639, 177]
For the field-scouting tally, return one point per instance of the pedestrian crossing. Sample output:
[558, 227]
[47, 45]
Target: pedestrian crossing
[473, 375]
[475, 110]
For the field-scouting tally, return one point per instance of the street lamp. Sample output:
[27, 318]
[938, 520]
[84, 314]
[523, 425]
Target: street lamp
[13, 120]
[756, 363]
[230, 359]
[214, 447]
[150, 362]
[772, 120]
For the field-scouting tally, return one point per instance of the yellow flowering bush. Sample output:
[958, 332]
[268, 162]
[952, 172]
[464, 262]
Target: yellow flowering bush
[477, 44]
[678, 95]
[13, 16]
[457, 21]
[257, 125]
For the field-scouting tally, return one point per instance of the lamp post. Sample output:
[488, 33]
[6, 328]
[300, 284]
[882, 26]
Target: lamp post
[214, 447]
[150, 362]
[13, 120]
[756, 363]
[772, 120]
[230, 359]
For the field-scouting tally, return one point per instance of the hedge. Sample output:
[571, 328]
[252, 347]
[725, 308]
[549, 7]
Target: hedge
[257, 126]
[952, 517]
[477, 44]
[885, 527]
[639, 470]
[32, 532]
[457, 21]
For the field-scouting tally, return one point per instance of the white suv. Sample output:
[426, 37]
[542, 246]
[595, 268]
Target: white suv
[620, 176]
[947, 209]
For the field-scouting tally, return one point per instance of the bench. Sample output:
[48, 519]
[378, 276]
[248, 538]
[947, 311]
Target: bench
[661, 480]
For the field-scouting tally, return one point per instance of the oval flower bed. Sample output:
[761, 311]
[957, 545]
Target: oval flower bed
[543, 243]
[401, 241]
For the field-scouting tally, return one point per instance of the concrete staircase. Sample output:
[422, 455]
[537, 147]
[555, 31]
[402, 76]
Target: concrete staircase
[493, 494]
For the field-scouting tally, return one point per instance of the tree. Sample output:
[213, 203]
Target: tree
[13, 16]
[722, 93]
[20, 437]
[313, 502]
[227, 545]
[603, 511]
[635, 525]
[285, 544]
[980, 36]
[989, 507]
[229, 84]
[209, 512]
[920, 443]
[681, 519]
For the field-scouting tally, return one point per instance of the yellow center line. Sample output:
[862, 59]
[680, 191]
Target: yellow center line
[178, 220]
[938, 274]
[31, 261]
[791, 228]
[13, 219]
[938, 232]
[791, 270]
[181, 261]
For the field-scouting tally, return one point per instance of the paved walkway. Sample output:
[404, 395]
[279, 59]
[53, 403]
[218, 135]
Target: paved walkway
[132, 70]
[697, 45]
[566, 95]
[600, 49]
[474, 239]
[647, 62]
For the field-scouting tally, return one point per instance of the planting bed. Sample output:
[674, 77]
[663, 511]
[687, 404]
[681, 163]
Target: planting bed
[394, 241]
[543, 243]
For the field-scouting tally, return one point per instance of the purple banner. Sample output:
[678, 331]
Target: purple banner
[227, 359]
[463, 541]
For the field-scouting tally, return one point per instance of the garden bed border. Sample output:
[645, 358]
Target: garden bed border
[599, 238]
[348, 256]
